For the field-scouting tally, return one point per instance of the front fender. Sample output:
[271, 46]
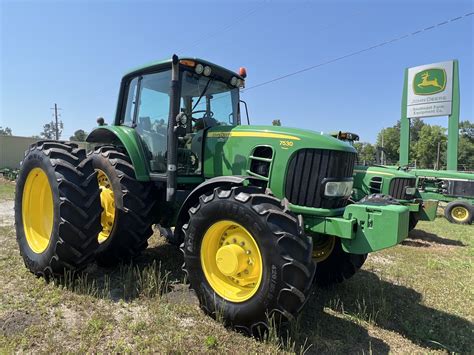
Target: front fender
[130, 140]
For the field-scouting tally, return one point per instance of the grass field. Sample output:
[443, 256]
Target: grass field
[416, 297]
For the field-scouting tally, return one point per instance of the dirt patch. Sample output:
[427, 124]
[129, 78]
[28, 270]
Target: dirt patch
[16, 322]
[6, 213]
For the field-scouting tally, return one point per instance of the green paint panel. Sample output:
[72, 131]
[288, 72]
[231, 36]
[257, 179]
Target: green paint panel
[228, 149]
[428, 210]
[129, 139]
[378, 227]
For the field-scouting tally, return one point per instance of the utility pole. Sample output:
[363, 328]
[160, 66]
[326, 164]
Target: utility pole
[437, 155]
[56, 130]
[383, 153]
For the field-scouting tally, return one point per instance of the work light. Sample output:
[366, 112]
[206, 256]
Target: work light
[199, 69]
[338, 188]
[207, 70]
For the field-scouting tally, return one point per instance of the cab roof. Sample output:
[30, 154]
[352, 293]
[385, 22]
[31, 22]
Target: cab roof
[152, 66]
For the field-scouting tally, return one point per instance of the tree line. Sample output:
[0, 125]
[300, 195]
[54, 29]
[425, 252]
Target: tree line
[49, 132]
[424, 139]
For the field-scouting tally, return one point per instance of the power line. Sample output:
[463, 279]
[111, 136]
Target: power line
[393, 40]
[226, 27]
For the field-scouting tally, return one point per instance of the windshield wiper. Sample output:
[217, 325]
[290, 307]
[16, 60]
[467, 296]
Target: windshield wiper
[202, 94]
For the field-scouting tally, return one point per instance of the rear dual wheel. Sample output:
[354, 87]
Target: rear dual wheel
[246, 258]
[57, 208]
[128, 206]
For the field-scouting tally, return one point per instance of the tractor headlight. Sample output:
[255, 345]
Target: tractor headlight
[199, 69]
[410, 191]
[233, 81]
[338, 188]
[207, 70]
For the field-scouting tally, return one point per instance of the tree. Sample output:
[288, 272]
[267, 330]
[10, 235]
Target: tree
[7, 131]
[391, 142]
[276, 122]
[79, 136]
[426, 148]
[466, 145]
[366, 152]
[49, 130]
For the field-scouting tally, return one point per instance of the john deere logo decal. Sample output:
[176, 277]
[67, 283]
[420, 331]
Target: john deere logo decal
[429, 81]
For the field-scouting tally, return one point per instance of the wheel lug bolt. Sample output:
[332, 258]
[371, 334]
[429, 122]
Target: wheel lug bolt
[247, 252]
[242, 243]
[234, 240]
[246, 271]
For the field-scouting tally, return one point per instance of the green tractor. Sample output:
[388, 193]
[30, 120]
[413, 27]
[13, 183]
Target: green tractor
[454, 189]
[255, 208]
[390, 183]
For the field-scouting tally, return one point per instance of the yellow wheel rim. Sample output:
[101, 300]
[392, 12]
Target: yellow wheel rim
[107, 201]
[37, 210]
[460, 214]
[231, 261]
[323, 247]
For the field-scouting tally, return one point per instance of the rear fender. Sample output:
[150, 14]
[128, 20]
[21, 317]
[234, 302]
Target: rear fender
[130, 140]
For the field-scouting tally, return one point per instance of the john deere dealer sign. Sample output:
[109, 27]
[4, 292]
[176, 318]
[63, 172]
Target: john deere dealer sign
[430, 90]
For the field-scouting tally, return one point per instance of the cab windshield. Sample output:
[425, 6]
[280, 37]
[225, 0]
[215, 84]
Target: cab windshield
[206, 101]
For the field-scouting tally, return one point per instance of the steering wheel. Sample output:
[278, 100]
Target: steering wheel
[211, 114]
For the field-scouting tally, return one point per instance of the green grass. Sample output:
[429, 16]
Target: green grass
[416, 297]
[7, 190]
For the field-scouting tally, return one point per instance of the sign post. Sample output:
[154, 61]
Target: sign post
[431, 90]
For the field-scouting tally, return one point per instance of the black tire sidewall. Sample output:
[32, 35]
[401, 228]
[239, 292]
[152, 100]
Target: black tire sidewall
[37, 262]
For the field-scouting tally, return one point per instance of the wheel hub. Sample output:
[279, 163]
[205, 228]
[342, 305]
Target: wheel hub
[460, 213]
[323, 247]
[231, 261]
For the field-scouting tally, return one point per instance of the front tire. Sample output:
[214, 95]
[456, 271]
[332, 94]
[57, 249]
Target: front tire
[128, 207]
[57, 208]
[459, 212]
[337, 266]
[246, 258]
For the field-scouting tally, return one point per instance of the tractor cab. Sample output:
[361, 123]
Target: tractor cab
[205, 96]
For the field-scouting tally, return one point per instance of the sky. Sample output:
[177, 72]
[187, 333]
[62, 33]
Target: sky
[74, 53]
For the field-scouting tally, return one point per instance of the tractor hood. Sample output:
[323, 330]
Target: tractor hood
[381, 171]
[280, 138]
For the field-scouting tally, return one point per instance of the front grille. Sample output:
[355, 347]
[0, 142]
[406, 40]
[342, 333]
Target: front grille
[398, 186]
[307, 169]
[375, 185]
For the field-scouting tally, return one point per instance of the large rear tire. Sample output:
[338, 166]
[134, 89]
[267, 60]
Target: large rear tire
[128, 207]
[57, 208]
[246, 258]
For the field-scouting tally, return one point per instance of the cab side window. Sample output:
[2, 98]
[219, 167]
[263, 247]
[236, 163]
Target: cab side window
[127, 120]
